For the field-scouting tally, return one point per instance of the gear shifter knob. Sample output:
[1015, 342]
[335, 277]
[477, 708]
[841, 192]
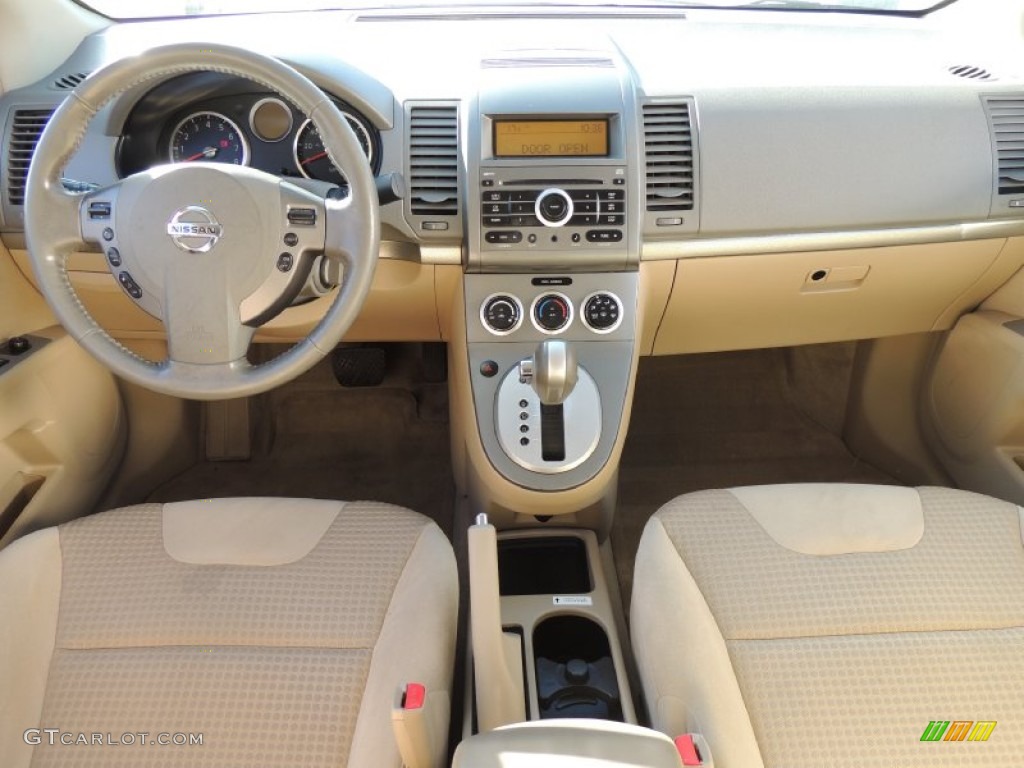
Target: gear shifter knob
[552, 371]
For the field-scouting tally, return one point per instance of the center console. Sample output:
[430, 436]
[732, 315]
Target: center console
[550, 295]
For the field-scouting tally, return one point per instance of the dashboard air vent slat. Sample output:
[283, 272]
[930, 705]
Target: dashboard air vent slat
[434, 160]
[70, 80]
[26, 128]
[1006, 118]
[668, 151]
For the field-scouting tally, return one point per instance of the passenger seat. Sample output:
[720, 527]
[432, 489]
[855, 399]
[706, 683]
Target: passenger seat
[804, 626]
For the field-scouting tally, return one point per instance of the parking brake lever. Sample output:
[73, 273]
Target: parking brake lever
[497, 655]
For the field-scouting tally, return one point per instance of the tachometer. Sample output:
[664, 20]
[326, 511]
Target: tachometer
[208, 137]
[312, 159]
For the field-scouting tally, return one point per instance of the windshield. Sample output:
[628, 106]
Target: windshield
[127, 9]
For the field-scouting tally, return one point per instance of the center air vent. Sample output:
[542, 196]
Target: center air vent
[668, 151]
[26, 128]
[1006, 119]
[434, 159]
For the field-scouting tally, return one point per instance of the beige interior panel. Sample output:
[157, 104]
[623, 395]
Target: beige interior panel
[22, 309]
[883, 415]
[568, 744]
[771, 300]
[61, 420]
[975, 405]
[163, 435]
[656, 280]
[401, 305]
[24, 25]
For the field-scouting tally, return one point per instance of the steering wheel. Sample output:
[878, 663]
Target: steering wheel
[212, 250]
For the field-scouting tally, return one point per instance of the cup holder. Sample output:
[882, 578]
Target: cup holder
[575, 671]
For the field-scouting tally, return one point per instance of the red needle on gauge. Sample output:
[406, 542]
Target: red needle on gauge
[208, 152]
[317, 156]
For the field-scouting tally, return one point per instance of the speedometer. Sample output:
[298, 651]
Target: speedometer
[208, 137]
[311, 155]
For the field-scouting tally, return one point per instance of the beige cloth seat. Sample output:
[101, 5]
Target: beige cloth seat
[279, 630]
[806, 626]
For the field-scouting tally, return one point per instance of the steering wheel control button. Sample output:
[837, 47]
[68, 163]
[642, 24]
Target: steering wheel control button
[194, 229]
[99, 209]
[114, 257]
[291, 239]
[552, 313]
[108, 234]
[501, 314]
[604, 236]
[302, 217]
[602, 312]
[130, 286]
[554, 207]
[285, 262]
[488, 368]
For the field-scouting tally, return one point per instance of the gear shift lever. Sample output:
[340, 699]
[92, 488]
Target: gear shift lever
[552, 371]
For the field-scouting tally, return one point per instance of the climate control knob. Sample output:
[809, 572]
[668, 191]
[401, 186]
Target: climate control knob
[501, 314]
[552, 312]
[553, 207]
[602, 312]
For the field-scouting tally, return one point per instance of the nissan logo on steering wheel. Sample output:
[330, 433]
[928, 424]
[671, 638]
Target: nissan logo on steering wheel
[194, 229]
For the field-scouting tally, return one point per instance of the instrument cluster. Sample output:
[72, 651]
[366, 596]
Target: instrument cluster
[224, 120]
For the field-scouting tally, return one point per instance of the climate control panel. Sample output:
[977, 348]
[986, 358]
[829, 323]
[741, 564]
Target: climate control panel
[551, 312]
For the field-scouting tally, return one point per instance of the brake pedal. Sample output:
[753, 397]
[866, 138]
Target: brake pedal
[359, 366]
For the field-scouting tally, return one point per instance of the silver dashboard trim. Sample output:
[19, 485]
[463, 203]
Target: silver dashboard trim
[752, 245]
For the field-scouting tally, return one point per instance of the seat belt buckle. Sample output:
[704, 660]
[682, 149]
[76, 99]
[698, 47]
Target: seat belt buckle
[411, 727]
[694, 750]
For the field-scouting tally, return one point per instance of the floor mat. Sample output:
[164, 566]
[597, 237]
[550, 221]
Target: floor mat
[315, 439]
[728, 419]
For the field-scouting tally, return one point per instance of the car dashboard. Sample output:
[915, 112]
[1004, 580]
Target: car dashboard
[776, 170]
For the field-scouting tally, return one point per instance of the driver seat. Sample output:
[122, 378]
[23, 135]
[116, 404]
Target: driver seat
[281, 630]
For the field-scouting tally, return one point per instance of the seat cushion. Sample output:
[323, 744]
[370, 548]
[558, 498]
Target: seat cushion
[277, 629]
[816, 625]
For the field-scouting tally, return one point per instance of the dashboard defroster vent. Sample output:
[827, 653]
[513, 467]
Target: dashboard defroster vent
[669, 156]
[26, 128]
[970, 72]
[434, 159]
[1006, 118]
[70, 80]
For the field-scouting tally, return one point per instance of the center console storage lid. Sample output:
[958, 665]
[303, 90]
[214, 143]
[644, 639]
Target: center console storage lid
[567, 744]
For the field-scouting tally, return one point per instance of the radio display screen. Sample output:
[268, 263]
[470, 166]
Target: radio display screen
[551, 138]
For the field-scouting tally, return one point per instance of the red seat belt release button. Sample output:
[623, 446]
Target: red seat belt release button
[415, 694]
[687, 749]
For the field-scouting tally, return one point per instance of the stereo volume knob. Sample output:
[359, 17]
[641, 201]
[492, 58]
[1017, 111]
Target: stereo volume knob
[553, 207]
[501, 314]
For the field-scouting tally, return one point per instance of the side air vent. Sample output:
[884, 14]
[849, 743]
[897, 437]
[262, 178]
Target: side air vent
[26, 128]
[434, 159]
[668, 151]
[69, 81]
[969, 72]
[1006, 118]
